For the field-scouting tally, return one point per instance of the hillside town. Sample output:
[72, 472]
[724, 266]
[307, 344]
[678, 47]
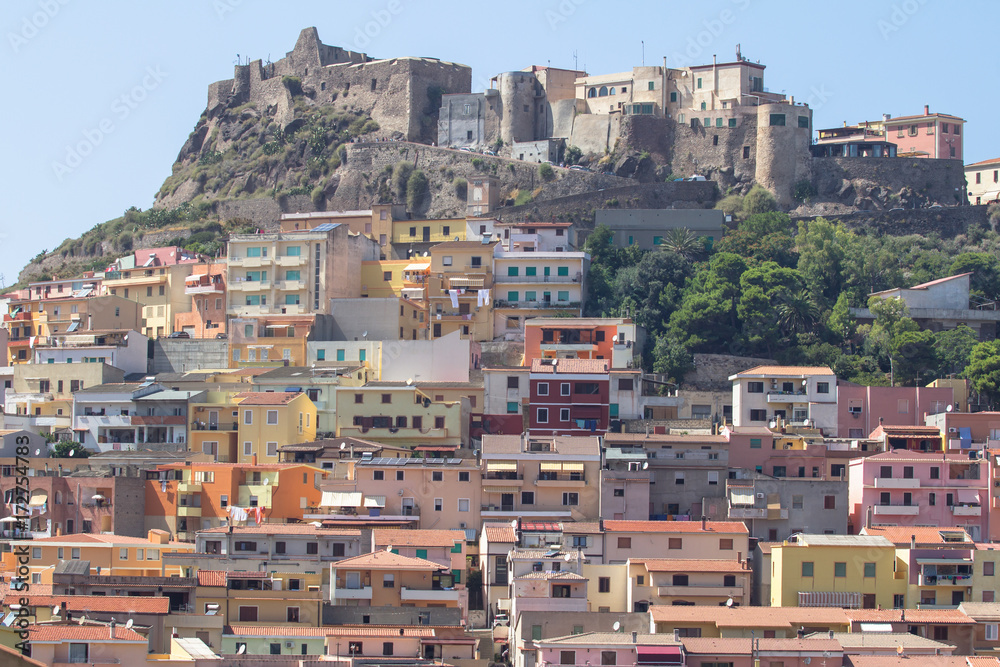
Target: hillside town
[695, 435]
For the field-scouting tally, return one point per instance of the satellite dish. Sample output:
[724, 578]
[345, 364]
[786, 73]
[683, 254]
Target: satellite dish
[950, 408]
[15, 607]
[456, 238]
[513, 524]
[37, 452]
[427, 254]
[899, 650]
[772, 424]
[389, 548]
[128, 624]
[645, 465]
[807, 660]
[365, 334]
[409, 381]
[617, 626]
[343, 445]
[55, 610]
[568, 557]
[267, 481]
[82, 619]
[614, 339]
[242, 649]
[729, 602]
[72, 452]
[316, 523]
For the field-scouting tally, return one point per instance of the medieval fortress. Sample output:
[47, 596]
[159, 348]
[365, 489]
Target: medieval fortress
[716, 121]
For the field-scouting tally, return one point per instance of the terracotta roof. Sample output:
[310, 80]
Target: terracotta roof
[983, 163]
[675, 527]
[16, 658]
[936, 616]
[499, 532]
[901, 535]
[417, 538]
[606, 638]
[386, 560]
[582, 527]
[496, 446]
[99, 539]
[691, 565]
[465, 245]
[662, 438]
[266, 397]
[940, 280]
[273, 631]
[284, 529]
[889, 428]
[390, 631]
[570, 366]
[741, 645]
[765, 547]
[211, 577]
[58, 634]
[767, 617]
[860, 640]
[981, 611]
[553, 576]
[786, 371]
[937, 661]
[132, 604]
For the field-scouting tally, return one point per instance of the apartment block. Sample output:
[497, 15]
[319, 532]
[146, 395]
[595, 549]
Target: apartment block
[532, 283]
[460, 288]
[799, 395]
[206, 287]
[155, 279]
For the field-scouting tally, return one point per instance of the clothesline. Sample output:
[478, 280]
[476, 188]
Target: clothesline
[244, 513]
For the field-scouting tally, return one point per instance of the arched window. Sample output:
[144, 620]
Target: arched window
[592, 92]
[58, 497]
[612, 91]
[603, 92]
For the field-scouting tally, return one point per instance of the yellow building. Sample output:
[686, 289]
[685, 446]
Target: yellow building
[110, 555]
[426, 231]
[682, 581]
[985, 573]
[837, 570]
[383, 278]
[460, 289]
[271, 597]
[268, 420]
[41, 396]
[374, 223]
[609, 586]
[400, 414]
[156, 283]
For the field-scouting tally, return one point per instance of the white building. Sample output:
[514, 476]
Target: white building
[794, 394]
[126, 350]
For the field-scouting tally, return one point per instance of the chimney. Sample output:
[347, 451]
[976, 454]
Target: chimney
[913, 541]
[927, 110]
[801, 633]
[677, 634]
[831, 634]
[111, 627]
[635, 636]
[704, 522]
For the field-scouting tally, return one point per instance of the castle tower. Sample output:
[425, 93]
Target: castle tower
[483, 195]
[784, 133]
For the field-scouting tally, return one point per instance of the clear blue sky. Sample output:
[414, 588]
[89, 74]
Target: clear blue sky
[68, 63]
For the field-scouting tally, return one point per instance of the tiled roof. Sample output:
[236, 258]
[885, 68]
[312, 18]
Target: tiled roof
[211, 578]
[283, 529]
[582, 527]
[417, 538]
[936, 661]
[541, 527]
[570, 366]
[59, 634]
[499, 532]
[901, 535]
[662, 439]
[84, 539]
[785, 371]
[566, 445]
[675, 527]
[936, 616]
[273, 631]
[742, 646]
[266, 397]
[983, 163]
[16, 658]
[375, 631]
[531, 554]
[606, 638]
[465, 245]
[388, 561]
[132, 604]
[981, 611]
[767, 617]
[923, 430]
[691, 565]
[882, 640]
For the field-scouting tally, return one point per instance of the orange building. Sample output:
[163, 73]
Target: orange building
[581, 338]
[207, 289]
[185, 498]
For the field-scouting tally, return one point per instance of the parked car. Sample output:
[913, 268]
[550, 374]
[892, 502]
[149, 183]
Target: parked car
[697, 178]
[179, 334]
[501, 620]
[467, 149]
[579, 167]
[487, 151]
[221, 336]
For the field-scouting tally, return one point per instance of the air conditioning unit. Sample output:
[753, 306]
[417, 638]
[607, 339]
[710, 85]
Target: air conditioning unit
[289, 644]
[952, 429]
[760, 496]
[462, 525]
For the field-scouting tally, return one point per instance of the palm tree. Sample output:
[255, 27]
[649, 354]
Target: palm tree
[682, 241]
[797, 312]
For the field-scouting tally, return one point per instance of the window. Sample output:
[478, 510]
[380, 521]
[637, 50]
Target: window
[758, 415]
[678, 477]
[388, 580]
[807, 569]
[272, 417]
[829, 502]
[885, 472]
[564, 389]
[543, 388]
[527, 497]
[990, 628]
[624, 542]
[78, 653]
[988, 567]
[567, 657]
[675, 543]
[732, 122]
[512, 382]
[400, 476]
[870, 570]
[386, 648]
[903, 406]
[804, 121]
[777, 120]
[840, 569]
[673, 96]
[543, 415]
[570, 499]
[725, 544]
[604, 584]
[754, 443]
[463, 476]
[935, 472]
[463, 504]
[123, 554]
[248, 417]
[564, 414]
[378, 475]
[75, 554]
[822, 387]
[511, 407]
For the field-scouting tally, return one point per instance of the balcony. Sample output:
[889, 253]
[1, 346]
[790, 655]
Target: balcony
[561, 480]
[238, 285]
[248, 262]
[214, 288]
[189, 511]
[490, 482]
[101, 421]
[442, 595]
[747, 513]
[896, 510]
[222, 426]
[290, 260]
[189, 487]
[967, 510]
[536, 305]
[687, 591]
[530, 280]
[958, 580]
[896, 483]
[511, 511]
[362, 593]
[787, 397]
[159, 420]
[290, 285]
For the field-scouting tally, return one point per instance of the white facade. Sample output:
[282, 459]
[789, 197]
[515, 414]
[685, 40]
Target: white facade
[116, 418]
[444, 359]
[78, 349]
[794, 394]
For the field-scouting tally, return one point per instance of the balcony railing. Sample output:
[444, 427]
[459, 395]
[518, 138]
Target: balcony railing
[967, 510]
[896, 483]
[897, 510]
[538, 279]
[435, 595]
[222, 426]
[546, 305]
[747, 513]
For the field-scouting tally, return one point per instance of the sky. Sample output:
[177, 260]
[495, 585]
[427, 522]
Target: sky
[100, 96]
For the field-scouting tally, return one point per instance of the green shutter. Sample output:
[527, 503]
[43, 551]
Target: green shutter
[530, 271]
[563, 271]
[511, 270]
[613, 410]
[562, 296]
[422, 553]
[512, 296]
[457, 549]
[457, 576]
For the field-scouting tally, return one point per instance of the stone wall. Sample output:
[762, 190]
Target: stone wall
[886, 183]
[946, 221]
[130, 506]
[711, 371]
[178, 355]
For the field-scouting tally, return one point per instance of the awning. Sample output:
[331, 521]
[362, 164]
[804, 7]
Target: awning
[501, 466]
[741, 498]
[876, 627]
[572, 467]
[503, 604]
[968, 496]
[38, 498]
[550, 466]
[435, 448]
[340, 499]
[417, 267]
[374, 501]
[841, 599]
[501, 489]
[278, 326]
[195, 278]
[659, 655]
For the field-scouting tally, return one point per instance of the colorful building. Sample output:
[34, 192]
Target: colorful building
[583, 338]
[537, 284]
[861, 409]
[569, 397]
[207, 288]
[679, 581]
[402, 414]
[155, 279]
[273, 340]
[983, 181]
[460, 289]
[269, 420]
[798, 395]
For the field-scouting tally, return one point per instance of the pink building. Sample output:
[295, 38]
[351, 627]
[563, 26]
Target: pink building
[928, 135]
[907, 488]
[739, 652]
[609, 648]
[861, 409]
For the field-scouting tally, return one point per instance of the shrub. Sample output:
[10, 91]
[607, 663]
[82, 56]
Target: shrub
[758, 200]
[293, 84]
[477, 163]
[461, 188]
[318, 195]
[546, 171]
[573, 154]
[804, 190]
[400, 176]
[416, 190]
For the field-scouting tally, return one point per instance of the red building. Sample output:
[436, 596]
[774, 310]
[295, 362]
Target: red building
[569, 396]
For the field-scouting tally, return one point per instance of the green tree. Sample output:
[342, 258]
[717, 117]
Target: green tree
[796, 311]
[65, 449]
[546, 171]
[758, 200]
[954, 348]
[985, 268]
[682, 241]
[417, 192]
[983, 371]
[573, 154]
[841, 323]
[763, 288]
[821, 258]
[671, 358]
[706, 318]
[914, 354]
[400, 175]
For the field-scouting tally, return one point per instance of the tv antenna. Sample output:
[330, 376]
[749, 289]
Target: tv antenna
[1, 281]
[575, 61]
